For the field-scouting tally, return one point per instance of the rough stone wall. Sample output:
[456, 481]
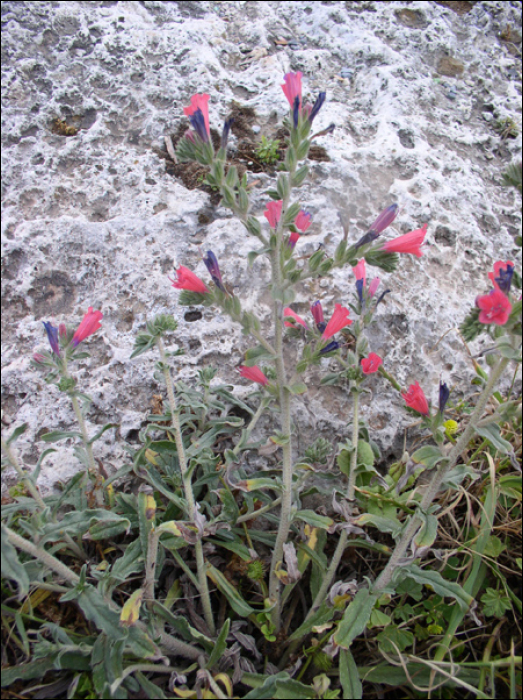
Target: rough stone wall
[92, 216]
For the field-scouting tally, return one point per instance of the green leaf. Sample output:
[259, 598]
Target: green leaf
[298, 388]
[183, 628]
[429, 455]
[255, 355]
[496, 604]
[435, 581]
[355, 617]
[313, 519]
[220, 645]
[143, 343]
[239, 605]
[107, 426]
[291, 213]
[506, 347]
[393, 639]
[365, 453]
[349, 678]
[384, 524]
[56, 435]
[343, 460]
[12, 568]
[16, 433]
[492, 433]
[426, 536]
[300, 175]
[80, 522]
[323, 615]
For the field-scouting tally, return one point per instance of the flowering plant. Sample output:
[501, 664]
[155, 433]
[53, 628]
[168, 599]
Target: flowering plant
[198, 500]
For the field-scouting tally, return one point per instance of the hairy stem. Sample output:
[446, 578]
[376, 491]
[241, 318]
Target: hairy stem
[285, 413]
[187, 486]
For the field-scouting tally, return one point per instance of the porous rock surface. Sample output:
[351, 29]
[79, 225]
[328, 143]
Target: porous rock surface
[92, 216]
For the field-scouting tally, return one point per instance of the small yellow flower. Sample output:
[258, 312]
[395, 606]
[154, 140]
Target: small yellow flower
[451, 427]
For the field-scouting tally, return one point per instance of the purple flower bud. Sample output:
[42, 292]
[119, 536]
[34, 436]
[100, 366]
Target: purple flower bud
[367, 238]
[317, 106]
[333, 345]
[359, 288]
[385, 219]
[212, 265]
[504, 279]
[225, 133]
[197, 120]
[296, 111]
[52, 335]
[444, 393]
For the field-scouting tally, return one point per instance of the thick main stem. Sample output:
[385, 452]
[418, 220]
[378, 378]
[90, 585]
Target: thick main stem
[285, 412]
[187, 486]
[430, 494]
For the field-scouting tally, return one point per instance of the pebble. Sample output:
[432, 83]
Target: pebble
[451, 94]
[346, 72]
[256, 128]
[294, 45]
[487, 116]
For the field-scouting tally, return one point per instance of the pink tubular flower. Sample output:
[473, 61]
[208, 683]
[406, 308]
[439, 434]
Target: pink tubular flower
[360, 272]
[494, 308]
[317, 312]
[185, 279]
[289, 312]
[340, 319]
[292, 87]
[293, 239]
[89, 325]
[303, 221]
[415, 398]
[199, 102]
[371, 364]
[409, 243]
[373, 286]
[273, 212]
[254, 374]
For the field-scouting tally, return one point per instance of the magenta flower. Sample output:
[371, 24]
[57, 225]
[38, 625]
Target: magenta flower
[289, 312]
[371, 364]
[293, 239]
[52, 336]
[198, 113]
[89, 325]
[292, 88]
[38, 358]
[317, 313]
[185, 279]
[339, 319]
[409, 243]
[494, 308]
[273, 212]
[501, 278]
[415, 398]
[254, 374]
[303, 221]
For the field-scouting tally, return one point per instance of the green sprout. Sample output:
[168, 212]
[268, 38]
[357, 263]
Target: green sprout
[267, 151]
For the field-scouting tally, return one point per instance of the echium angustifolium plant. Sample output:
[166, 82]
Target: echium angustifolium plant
[194, 509]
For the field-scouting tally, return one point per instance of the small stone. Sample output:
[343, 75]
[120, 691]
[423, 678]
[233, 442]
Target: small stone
[294, 45]
[450, 66]
[256, 128]
[489, 156]
[346, 73]
[451, 94]
[487, 116]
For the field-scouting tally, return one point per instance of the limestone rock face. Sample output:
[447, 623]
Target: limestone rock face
[96, 214]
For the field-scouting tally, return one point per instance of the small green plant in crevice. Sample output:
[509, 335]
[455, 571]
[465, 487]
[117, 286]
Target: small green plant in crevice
[268, 151]
[507, 128]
